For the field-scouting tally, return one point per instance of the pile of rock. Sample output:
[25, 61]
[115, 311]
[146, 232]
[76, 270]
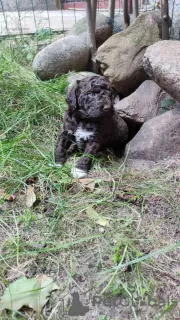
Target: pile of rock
[149, 108]
[72, 53]
[139, 65]
[159, 137]
[127, 59]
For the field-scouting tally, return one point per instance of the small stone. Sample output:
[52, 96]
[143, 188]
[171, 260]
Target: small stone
[101, 230]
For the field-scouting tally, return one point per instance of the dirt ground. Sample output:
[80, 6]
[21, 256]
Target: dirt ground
[141, 202]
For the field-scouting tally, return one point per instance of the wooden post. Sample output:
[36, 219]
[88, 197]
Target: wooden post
[135, 8]
[58, 4]
[126, 14]
[111, 10]
[91, 32]
[165, 19]
[94, 9]
[111, 14]
[130, 8]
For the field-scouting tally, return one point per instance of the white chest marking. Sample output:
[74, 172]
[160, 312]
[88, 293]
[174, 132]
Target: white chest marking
[83, 134]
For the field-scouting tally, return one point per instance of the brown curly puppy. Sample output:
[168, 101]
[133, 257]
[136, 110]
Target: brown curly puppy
[90, 123]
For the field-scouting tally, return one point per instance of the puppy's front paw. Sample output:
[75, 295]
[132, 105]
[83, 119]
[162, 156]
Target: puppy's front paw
[58, 165]
[78, 173]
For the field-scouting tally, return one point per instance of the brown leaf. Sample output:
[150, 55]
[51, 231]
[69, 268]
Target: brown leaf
[89, 184]
[11, 197]
[5, 196]
[31, 180]
[107, 179]
[30, 196]
[127, 197]
[16, 271]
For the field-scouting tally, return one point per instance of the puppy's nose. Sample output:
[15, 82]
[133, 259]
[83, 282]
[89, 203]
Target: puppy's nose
[106, 108]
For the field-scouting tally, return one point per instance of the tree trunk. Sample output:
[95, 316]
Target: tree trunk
[126, 14]
[91, 33]
[135, 8]
[165, 20]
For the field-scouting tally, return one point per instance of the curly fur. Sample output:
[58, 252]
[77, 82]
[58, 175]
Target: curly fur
[90, 122]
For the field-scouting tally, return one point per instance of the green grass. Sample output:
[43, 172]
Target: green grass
[31, 114]
[56, 236]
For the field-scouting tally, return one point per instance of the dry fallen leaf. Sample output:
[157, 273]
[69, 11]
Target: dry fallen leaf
[11, 197]
[33, 293]
[88, 183]
[16, 272]
[5, 196]
[92, 214]
[128, 197]
[30, 196]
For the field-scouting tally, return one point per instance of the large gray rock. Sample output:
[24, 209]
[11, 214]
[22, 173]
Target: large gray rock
[162, 64]
[73, 77]
[103, 27]
[157, 139]
[81, 26]
[144, 104]
[68, 54]
[121, 56]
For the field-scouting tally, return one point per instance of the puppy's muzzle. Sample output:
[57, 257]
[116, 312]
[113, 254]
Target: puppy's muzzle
[106, 108]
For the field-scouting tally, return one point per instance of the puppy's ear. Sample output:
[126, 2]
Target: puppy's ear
[72, 98]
